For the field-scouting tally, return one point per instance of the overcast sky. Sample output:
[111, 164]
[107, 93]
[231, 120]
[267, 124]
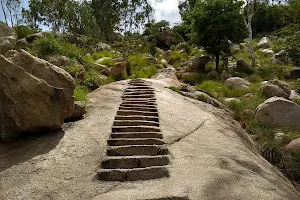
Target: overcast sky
[164, 10]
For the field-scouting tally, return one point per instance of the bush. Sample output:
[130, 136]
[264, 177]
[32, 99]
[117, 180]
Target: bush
[102, 54]
[80, 93]
[297, 100]
[24, 31]
[46, 46]
[51, 45]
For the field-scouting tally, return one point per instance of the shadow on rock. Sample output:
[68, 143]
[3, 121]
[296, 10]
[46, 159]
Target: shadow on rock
[27, 147]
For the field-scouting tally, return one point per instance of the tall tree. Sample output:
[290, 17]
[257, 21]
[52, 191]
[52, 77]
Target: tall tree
[215, 22]
[249, 13]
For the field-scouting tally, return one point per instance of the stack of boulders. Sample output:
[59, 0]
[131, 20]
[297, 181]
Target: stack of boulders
[35, 95]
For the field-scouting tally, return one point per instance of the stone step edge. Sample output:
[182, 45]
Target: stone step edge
[122, 175]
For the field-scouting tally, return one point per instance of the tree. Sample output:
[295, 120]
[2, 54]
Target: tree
[11, 10]
[249, 13]
[215, 23]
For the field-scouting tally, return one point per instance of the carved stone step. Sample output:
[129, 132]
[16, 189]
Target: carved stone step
[135, 123]
[142, 96]
[141, 118]
[133, 174]
[137, 150]
[124, 129]
[136, 108]
[126, 141]
[138, 92]
[142, 102]
[138, 105]
[142, 113]
[136, 135]
[140, 88]
[131, 162]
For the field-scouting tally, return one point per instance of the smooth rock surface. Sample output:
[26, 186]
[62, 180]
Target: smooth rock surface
[237, 83]
[264, 43]
[5, 30]
[276, 88]
[212, 158]
[35, 95]
[278, 112]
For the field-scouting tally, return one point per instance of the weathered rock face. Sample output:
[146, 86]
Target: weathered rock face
[5, 30]
[294, 145]
[35, 95]
[276, 88]
[198, 64]
[101, 47]
[58, 60]
[237, 83]
[264, 43]
[79, 110]
[33, 37]
[242, 66]
[119, 71]
[278, 112]
[268, 52]
[7, 43]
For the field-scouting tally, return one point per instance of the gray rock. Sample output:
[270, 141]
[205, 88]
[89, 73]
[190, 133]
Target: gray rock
[248, 114]
[5, 30]
[294, 145]
[34, 95]
[225, 75]
[213, 75]
[268, 52]
[278, 112]
[264, 43]
[7, 43]
[231, 100]
[237, 83]
[33, 37]
[22, 43]
[101, 46]
[242, 66]
[277, 88]
[79, 110]
[59, 60]
[198, 64]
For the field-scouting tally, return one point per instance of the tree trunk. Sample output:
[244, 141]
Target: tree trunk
[3, 10]
[251, 39]
[217, 61]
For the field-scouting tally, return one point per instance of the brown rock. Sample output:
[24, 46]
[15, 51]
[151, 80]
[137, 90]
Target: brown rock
[29, 103]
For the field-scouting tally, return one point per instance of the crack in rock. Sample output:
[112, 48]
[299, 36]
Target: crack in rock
[189, 133]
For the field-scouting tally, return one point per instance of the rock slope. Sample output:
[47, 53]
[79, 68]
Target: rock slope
[211, 156]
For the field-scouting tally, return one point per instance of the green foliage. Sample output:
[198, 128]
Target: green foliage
[93, 79]
[176, 89]
[177, 57]
[293, 48]
[98, 55]
[184, 30]
[24, 31]
[215, 22]
[80, 93]
[51, 45]
[75, 70]
[271, 149]
[46, 46]
[153, 28]
[297, 100]
[195, 78]
[267, 18]
[140, 67]
[291, 164]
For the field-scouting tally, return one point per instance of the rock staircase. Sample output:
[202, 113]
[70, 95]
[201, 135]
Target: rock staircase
[135, 147]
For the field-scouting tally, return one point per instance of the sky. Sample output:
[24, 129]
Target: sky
[164, 10]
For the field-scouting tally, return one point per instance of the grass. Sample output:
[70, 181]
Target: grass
[140, 67]
[103, 54]
[80, 93]
[219, 90]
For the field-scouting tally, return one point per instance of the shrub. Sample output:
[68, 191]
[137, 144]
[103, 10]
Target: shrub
[46, 46]
[195, 78]
[297, 100]
[24, 31]
[102, 54]
[291, 165]
[80, 93]
[177, 57]
[271, 149]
